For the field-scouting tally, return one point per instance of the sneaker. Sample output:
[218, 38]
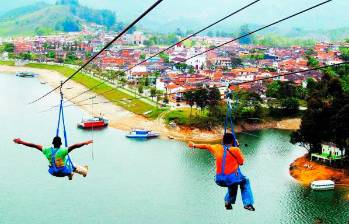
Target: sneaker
[250, 208]
[70, 177]
[86, 167]
[228, 206]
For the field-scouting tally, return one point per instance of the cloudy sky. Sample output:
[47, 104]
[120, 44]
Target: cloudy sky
[193, 13]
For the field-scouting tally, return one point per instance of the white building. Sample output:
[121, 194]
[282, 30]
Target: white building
[331, 149]
[329, 153]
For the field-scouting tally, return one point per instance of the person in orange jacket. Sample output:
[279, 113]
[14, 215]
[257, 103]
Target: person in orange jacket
[228, 174]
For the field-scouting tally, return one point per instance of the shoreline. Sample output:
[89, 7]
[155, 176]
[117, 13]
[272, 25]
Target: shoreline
[124, 120]
[305, 171]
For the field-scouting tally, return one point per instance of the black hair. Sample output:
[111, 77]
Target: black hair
[228, 139]
[57, 142]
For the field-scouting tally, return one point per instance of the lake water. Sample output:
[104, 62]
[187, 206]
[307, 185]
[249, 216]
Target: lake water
[157, 181]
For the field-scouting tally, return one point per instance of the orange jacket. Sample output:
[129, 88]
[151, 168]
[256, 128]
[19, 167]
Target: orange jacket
[231, 164]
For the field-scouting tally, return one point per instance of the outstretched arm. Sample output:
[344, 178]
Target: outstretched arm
[200, 146]
[79, 145]
[28, 144]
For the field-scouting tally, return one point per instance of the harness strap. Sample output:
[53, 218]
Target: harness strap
[226, 149]
[229, 114]
[53, 158]
[61, 119]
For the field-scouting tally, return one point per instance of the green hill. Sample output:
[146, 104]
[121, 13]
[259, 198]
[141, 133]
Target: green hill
[43, 19]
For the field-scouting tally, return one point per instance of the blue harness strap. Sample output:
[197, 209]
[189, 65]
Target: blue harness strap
[64, 171]
[229, 114]
[69, 166]
[226, 180]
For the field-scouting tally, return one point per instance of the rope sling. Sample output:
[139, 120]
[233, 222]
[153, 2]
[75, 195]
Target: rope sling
[222, 179]
[68, 168]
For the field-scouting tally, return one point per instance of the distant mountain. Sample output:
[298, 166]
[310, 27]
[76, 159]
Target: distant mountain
[43, 18]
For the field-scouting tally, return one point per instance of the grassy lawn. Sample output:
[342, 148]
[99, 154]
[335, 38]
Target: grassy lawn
[119, 98]
[180, 116]
[9, 63]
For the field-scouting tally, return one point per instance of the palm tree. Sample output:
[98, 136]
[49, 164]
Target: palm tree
[190, 98]
[140, 89]
[121, 76]
[158, 97]
[112, 76]
[152, 93]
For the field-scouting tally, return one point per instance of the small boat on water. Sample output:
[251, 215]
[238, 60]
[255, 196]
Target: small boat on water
[26, 74]
[94, 122]
[142, 134]
[322, 185]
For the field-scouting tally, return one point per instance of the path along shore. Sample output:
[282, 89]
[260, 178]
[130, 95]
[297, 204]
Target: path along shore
[124, 120]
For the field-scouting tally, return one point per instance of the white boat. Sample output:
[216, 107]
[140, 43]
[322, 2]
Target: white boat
[322, 185]
[26, 74]
[142, 134]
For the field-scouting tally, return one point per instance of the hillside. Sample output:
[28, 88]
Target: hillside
[43, 19]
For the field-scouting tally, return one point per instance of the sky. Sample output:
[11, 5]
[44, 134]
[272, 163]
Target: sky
[191, 14]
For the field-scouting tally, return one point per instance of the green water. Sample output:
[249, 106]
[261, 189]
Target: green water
[157, 181]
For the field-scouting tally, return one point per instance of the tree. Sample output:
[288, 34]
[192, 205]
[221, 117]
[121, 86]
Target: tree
[191, 70]
[51, 54]
[68, 2]
[290, 105]
[9, 47]
[235, 61]
[140, 89]
[181, 66]
[69, 25]
[189, 97]
[152, 93]
[213, 101]
[311, 86]
[214, 97]
[112, 75]
[201, 98]
[71, 58]
[26, 56]
[249, 105]
[273, 89]
[165, 57]
[326, 117]
[179, 32]
[309, 52]
[340, 122]
[312, 62]
[122, 82]
[244, 29]
[158, 97]
[344, 53]
[146, 81]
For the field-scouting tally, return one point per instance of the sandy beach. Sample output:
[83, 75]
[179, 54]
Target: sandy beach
[124, 120]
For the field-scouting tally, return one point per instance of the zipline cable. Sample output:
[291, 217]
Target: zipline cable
[233, 40]
[237, 84]
[103, 49]
[92, 133]
[257, 30]
[168, 48]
